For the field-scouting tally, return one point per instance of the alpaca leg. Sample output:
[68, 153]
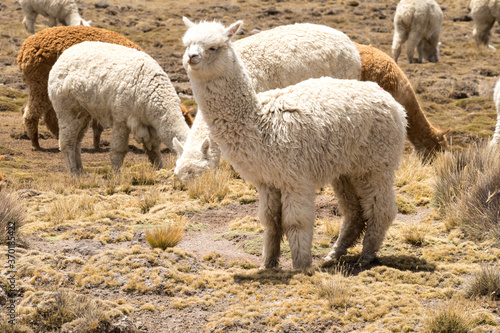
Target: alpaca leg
[52, 21]
[70, 141]
[31, 120]
[482, 31]
[154, 154]
[413, 40]
[353, 222]
[119, 144]
[97, 131]
[398, 40]
[298, 223]
[270, 217]
[379, 209]
[78, 148]
[51, 121]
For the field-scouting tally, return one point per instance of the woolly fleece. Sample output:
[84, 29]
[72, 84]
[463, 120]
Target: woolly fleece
[484, 13]
[289, 141]
[496, 98]
[37, 55]
[62, 11]
[275, 58]
[121, 88]
[419, 22]
[378, 67]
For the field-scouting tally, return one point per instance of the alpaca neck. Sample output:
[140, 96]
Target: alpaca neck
[229, 103]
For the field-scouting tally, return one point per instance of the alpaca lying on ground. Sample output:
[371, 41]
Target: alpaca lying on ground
[275, 58]
[200, 153]
[36, 57]
[62, 11]
[495, 142]
[484, 13]
[378, 67]
[289, 141]
[121, 88]
[419, 22]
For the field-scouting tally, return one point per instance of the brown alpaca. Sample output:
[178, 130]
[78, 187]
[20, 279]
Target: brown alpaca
[2, 183]
[378, 67]
[36, 57]
[187, 116]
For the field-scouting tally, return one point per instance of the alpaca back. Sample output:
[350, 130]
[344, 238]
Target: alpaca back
[323, 128]
[275, 59]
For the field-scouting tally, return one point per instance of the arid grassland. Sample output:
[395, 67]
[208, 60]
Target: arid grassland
[83, 260]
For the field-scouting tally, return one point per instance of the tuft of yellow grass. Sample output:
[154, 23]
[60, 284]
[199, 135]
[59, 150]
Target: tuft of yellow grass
[71, 208]
[211, 186]
[335, 288]
[149, 199]
[331, 227]
[485, 282]
[165, 236]
[414, 233]
[452, 316]
[12, 217]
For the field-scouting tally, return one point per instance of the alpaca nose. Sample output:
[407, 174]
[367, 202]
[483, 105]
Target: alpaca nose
[194, 59]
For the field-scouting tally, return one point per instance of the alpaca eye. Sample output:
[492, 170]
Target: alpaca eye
[213, 48]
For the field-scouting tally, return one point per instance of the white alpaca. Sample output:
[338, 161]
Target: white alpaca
[419, 22]
[484, 13]
[289, 141]
[120, 87]
[495, 142]
[62, 11]
[275, 58]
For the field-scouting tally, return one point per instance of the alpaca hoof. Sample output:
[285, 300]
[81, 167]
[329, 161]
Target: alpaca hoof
[364, 261]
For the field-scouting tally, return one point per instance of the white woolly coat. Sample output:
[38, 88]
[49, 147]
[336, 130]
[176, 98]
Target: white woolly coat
[277, 58]
[419, 22]
[484, 13]
[116, 84]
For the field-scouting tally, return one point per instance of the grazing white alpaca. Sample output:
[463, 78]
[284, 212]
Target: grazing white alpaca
[275, 58]
[289, 141]
[419, 22]
[63, 11]
[495, 142]
[120, 87]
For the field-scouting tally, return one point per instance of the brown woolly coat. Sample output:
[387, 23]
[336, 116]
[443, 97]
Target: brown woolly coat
[36, 57]
[378, 67]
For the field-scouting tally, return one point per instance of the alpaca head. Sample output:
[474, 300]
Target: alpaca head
[208, 48]
[193, 162]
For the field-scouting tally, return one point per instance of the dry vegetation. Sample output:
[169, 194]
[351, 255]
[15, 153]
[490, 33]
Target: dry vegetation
[88, 266]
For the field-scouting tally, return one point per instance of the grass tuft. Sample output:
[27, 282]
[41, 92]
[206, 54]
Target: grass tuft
[485, 282]
[450, 317]
[165, 237]
[335, 288]
[148, 200]
[414, 233]
[12, 217]
[211, 186]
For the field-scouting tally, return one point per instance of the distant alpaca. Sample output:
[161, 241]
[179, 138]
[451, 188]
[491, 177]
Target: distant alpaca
[63, 11]
[496, 97]
[289, 141]
[484, 13]
[37, 55]
[419, 22]
[2, 179]
[378, 67]
[121, 88]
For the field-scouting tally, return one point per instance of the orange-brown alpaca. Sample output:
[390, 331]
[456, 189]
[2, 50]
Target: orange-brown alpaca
[2, 183]
[378, 67]
[36, 57]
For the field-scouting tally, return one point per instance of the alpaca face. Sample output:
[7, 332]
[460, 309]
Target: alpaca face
[207, 48]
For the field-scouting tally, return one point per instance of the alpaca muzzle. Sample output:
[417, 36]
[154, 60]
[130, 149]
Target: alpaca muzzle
[194, 59]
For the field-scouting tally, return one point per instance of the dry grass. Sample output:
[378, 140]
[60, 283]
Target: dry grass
[165, 236]
[336, 288]
[485, 282]
[211, 186]
[71, 208]
[466, 191]
[12, 217]
[414, 233]
[149, 199]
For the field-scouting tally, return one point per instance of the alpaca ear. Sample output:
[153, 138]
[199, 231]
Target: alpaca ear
[204, 147]
[187, 22]
[178, 147]
[233, 29]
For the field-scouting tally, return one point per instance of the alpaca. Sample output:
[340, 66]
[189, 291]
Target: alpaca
[378, 67]
[419, 22]
[289, 141]
[37, 55]
[2, 179]
[120, 87]
[495, 142]
[275, 58]
[484, 13]
[62, 11]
